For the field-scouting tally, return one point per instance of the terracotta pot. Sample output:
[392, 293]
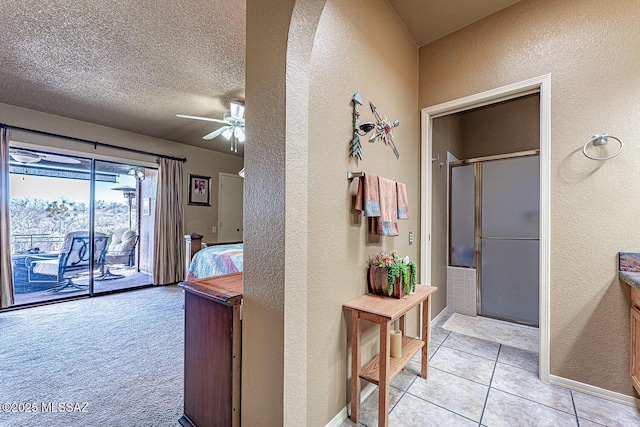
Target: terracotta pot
[379, 283]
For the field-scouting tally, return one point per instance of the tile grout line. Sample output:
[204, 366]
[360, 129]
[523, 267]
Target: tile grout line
[533, 401]
[472, 354]
[432, 403]
[439, 406]
[412, 381]
[575, 410]
[489, 388]
[527, 399]
[459, 376]
[519, 367]
[500, 322]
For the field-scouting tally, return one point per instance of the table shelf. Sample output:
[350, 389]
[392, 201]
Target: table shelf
[371, 371]
[383, 368]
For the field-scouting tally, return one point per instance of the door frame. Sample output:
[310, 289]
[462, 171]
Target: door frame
[541, 85]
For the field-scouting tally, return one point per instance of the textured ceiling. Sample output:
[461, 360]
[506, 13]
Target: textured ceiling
[134, 65]
[428, 20]
[130, 65]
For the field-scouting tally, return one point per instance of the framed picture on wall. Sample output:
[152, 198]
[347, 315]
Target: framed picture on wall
[199, 190]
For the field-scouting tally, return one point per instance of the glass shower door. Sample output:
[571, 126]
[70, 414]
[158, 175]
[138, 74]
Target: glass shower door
[509, 277]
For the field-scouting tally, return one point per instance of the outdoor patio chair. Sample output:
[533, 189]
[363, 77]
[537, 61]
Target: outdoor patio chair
[121, 250]
[73, 259]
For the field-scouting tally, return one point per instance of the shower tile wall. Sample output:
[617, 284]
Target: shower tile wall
[461, 290]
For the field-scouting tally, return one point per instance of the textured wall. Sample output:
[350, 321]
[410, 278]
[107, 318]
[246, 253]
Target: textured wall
[199, 161]
[263, 336]
[359, 46]
[592, 51]
[506, 127]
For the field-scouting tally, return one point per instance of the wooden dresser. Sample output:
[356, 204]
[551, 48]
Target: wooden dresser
[212, 351]
[635, 338]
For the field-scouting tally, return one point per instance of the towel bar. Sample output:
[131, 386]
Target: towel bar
[351, 175]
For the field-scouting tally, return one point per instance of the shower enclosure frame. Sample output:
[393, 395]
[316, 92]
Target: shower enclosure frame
[478, 162]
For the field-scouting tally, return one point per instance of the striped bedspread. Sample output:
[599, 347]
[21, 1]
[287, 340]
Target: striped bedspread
[215, 261]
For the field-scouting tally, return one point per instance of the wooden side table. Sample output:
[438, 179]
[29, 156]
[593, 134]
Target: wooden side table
[383, 368]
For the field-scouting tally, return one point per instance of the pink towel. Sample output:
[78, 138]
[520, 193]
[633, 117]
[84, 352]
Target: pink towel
[368, 196]
[388, 221]
[403, 205]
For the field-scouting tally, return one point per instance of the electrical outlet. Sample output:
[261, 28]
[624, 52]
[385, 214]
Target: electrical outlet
[213, 229]
[411, 237]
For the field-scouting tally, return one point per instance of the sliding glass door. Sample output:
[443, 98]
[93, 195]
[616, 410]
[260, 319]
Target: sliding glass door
[123, 211]
[79, 226]
[50, 199]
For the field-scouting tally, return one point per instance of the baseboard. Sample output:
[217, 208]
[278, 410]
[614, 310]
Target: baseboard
[440, 315]
[344, 414]
[595, 391]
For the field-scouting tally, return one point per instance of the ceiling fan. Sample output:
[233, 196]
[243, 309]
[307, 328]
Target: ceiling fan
[25, 156]
[234, 129]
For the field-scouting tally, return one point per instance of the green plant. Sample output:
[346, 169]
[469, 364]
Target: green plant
[395, 267]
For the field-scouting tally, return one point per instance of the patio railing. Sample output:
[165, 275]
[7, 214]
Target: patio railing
[21, 243]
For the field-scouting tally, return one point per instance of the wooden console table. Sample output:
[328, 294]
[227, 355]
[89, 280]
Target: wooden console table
[383, 368]
[212, 351]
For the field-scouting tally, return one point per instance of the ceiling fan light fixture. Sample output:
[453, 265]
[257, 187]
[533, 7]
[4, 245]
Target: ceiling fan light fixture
[238, 132]
[237, 110]
[227, 133]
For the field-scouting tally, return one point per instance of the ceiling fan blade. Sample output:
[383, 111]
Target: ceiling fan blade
[60, 159]
[22, 157]
[216, 132]
[200, 118]
[237, 110]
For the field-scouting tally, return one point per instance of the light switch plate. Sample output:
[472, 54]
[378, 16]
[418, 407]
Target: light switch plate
[213, 229]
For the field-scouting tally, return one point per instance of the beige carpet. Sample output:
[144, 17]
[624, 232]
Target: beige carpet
[121, 354]
[495, 330]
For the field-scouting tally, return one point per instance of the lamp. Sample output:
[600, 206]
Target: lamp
[128, 193]
[137, 172]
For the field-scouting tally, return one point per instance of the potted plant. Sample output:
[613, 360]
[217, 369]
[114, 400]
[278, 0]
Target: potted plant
[391, 276]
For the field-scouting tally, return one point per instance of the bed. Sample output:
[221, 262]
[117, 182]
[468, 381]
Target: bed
[211, 259]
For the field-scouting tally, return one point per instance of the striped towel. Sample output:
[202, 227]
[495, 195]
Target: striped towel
[368, 196]
[403, 205]
[388, 221]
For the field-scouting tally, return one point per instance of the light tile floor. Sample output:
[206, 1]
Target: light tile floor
[474, 382]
